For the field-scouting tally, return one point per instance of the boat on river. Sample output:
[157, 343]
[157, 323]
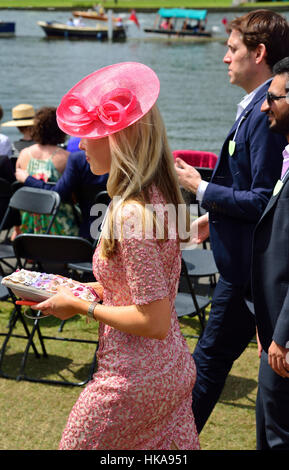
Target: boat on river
[98, 32]
[180, 23]
[93, 15]
[7, 29]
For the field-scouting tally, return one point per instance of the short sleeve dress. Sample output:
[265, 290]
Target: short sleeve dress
[140, 398]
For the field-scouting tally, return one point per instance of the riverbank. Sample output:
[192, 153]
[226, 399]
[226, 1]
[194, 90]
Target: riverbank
[139, 5]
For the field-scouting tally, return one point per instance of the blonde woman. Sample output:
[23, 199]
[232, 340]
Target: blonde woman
[140, 396]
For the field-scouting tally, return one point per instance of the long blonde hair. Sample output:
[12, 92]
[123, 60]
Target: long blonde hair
[140, 157]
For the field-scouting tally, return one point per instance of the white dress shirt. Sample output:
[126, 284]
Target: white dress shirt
[240, 108]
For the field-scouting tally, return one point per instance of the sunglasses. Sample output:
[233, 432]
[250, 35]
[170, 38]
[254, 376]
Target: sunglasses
[270, 97]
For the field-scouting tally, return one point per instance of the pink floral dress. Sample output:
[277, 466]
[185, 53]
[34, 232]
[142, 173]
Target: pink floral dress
[140, 398]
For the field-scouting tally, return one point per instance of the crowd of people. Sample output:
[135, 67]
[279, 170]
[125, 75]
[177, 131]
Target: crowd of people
[45, 159]
[149, 392]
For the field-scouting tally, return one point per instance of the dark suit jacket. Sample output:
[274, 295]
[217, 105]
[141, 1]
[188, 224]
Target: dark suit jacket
[270, 270]
[76, 179]
[7, 173]
[240, 189]
[6, 169]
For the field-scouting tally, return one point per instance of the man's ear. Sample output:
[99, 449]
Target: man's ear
[260, 53]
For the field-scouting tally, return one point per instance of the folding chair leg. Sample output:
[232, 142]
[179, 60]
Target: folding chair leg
[15, 316]
[61, 326]
[35, 329]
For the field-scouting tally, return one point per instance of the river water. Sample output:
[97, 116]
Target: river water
[196, 100]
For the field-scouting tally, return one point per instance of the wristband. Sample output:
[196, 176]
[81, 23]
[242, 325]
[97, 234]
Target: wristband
[91, 310]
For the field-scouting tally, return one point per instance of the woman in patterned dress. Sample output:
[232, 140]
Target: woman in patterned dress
[140, 398]
[46, 160]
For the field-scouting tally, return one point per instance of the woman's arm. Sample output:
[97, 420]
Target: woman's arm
[23, 159]
[21, 175]
[151, 320]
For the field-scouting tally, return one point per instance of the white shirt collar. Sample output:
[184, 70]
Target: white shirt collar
[286, 152]
[248, 98]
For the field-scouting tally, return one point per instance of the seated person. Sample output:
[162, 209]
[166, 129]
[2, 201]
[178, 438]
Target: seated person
[73, 144]
[166, 24]
[46, 160]
[76, 176]
[199, 26]
[5, 144]
[22, 118]
[7, 174]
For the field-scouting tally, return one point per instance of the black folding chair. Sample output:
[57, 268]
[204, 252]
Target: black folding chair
[13, 159]
[34, 201]
[52, 253]
[83, 271]
[6, 192]
[187, 303]
[200, 264]
[16, 316]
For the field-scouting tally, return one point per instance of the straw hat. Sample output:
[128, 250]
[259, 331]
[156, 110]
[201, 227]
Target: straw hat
[22, 116]
[108, 100]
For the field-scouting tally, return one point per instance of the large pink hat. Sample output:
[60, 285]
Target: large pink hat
[108, 100]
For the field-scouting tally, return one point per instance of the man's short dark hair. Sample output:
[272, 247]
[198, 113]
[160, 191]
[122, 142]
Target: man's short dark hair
[281, 67]
[264, 27]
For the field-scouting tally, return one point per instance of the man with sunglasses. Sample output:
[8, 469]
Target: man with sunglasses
[270, 283]
[236, 196]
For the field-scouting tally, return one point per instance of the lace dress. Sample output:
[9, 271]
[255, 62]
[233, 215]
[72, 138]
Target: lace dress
[141, 395]
[64, 223]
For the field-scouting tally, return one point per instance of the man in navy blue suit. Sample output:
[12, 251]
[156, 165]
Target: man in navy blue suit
[236, 196]
[77, 180]
[270, 284]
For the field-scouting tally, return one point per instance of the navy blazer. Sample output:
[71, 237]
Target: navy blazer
[76, 178]
[240, 188]
[270, 270]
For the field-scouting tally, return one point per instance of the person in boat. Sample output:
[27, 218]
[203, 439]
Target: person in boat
[166, 24]
[186, 25]
[77, 22]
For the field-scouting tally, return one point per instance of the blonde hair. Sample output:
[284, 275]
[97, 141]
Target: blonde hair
[140, 157]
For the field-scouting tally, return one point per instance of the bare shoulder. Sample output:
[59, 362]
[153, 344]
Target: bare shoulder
[23, 158]
[60, 159]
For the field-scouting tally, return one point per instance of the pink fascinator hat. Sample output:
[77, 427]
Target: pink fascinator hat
[108, 100]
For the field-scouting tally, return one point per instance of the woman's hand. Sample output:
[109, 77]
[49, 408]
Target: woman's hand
[201, 229]
[21, 175]
[62, 305]
[97, 287]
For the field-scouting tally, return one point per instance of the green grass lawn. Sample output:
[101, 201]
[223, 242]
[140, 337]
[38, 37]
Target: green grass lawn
[33, 415]
[138, 4]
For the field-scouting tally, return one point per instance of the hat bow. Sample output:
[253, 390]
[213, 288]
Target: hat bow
[113, 109]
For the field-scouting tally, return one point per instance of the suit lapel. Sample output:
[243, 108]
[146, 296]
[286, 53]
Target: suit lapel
[260, 95]
[274, 198]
